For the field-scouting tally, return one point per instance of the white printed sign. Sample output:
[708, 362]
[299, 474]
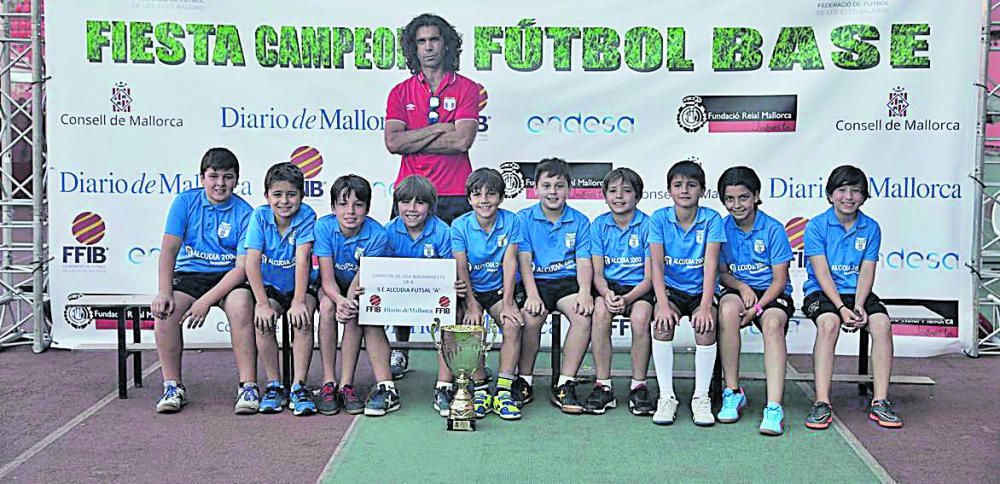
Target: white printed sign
[407, 292]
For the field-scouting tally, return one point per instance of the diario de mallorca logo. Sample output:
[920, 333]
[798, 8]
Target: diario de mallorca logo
[124, 114]
[739, 114]
[88, 229]
[310, 161]
[900, 106]
[304, 119]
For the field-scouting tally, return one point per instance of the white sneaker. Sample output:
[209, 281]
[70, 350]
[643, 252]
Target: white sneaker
[666, 410]
[701, 410]
[247, 400]
[172, 400]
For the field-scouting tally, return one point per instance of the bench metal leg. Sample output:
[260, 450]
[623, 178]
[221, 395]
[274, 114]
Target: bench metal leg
[556, 347]
[864, 387]
[715, 388]
[122, 358]
[286, 353]
[137, 355]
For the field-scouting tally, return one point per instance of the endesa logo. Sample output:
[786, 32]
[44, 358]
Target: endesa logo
[580, 124]
[139, 255]
[88, 229]
[310, 161]
[904, 259]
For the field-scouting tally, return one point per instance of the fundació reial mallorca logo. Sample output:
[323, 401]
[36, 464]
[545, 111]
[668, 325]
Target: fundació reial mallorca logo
[898, 102]
[121, 98]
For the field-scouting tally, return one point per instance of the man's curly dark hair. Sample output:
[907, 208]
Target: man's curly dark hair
[452, 42]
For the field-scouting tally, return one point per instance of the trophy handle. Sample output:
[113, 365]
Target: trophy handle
[435, 327]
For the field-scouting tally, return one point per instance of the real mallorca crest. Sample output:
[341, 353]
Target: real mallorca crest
[512, 178]
[758, 246]
[692, 115]
[449, 104]
[860, 243]
[633, 241]
[428, 250]
[570, 240]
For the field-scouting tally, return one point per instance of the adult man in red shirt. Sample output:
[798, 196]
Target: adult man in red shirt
[432, 120]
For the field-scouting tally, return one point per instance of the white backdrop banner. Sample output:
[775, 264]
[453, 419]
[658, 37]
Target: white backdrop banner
[140, 90]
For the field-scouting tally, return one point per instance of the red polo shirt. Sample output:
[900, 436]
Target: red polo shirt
[409, 102]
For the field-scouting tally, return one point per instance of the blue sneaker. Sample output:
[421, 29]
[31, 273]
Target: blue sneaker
[732, 404]
[382, 401]
[773, 422]
[301, 401]
[274, 399]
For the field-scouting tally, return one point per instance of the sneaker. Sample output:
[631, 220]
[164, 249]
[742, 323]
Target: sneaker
[482, 403]
[701, 411]
[382, 401]
[666, 410]
[327, 402]
[399, 364]
[301, 401]
[504, 406]
[442, 400]
[601, 398]
[564, 397]
[639, 402]
[247, 399]
[174, 397]
[275, 398]
[773, 422]
[820, 416]
[881, 411]
[732, 405]
[352, 404]
[522, 392]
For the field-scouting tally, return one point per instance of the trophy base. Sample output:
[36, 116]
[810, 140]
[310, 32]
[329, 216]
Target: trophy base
[461, 425]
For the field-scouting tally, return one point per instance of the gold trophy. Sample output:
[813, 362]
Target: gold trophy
[462, 346]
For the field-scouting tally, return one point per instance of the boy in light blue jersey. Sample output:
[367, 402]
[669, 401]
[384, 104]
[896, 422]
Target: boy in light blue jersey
[555, 266]
[279, 247]
[842, 246]
[201, 265]
[619, 246]
[754, 274]
[342, 239]
[485, 244]
[418, 233]
[684, 245]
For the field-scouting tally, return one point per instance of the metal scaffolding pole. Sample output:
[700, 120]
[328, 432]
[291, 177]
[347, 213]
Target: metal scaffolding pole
[985, 260]
[23, 205]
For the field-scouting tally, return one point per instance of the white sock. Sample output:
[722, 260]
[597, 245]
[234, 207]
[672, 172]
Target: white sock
[704, 365]
[169, 383]
[605, 383]
[637, 384]
[529, 378]
[442, 384]
[388, 384]
[663, 361]
[563, 379]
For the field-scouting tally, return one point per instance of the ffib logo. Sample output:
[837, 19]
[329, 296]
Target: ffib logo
[310, 161]
[374, 304]
[88, 228]
[443, 304]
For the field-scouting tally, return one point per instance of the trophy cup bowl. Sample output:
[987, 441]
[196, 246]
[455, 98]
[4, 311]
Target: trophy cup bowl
[462, 347]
